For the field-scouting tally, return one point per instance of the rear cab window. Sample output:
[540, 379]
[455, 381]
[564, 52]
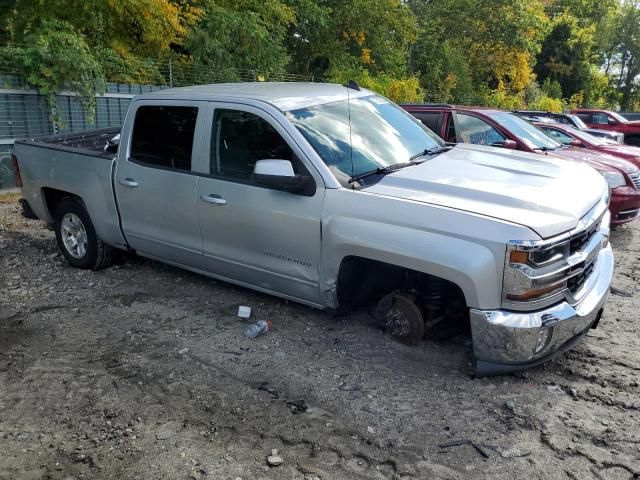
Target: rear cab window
[163, 136]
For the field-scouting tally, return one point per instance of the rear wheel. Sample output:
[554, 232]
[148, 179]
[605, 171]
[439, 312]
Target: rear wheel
[77, 238]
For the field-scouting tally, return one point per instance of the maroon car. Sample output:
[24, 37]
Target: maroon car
[568, 135]
[607, 120]
[498, 128]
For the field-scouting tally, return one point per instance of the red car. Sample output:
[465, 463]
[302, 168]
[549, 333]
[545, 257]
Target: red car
[497, 128]
[607, 120]
[568, 135]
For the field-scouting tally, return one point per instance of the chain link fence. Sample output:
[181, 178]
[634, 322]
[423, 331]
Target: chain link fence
[25, 113]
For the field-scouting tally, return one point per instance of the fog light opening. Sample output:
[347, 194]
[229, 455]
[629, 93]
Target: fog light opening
[544, 338]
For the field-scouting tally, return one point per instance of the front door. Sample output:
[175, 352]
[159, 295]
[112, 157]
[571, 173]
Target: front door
[155, 185]
[252, 234]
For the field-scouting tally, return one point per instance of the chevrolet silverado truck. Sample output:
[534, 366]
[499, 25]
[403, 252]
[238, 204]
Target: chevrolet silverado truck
[612, 121]
[334, 197]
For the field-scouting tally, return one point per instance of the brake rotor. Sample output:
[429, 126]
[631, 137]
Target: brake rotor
[402, 318]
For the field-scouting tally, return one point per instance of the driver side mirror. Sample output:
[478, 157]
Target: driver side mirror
[509, 144]
[279, 175]
[576, 143]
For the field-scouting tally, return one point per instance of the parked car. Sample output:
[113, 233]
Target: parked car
[570, 136]
[484, 126]
[572, 120]
[334, 197]
[612, 121]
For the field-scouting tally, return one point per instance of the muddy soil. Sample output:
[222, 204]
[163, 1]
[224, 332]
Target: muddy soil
[142, 371]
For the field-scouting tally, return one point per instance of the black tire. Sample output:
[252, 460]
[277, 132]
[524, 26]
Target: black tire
[633, 141]
[97, 254]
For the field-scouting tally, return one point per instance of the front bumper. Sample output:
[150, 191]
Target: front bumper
[506, 341]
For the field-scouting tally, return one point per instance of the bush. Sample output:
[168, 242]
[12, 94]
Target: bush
[58, 58]
[404, 90]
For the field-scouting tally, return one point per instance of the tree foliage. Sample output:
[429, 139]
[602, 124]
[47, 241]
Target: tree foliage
[509, 53]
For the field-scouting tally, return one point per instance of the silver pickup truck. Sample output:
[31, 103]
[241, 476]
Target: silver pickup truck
[334, 197]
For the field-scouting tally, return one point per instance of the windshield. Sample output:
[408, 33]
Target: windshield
[382, 134]
[618, 117]
[529, 134]
[586, 137]
[577, 121]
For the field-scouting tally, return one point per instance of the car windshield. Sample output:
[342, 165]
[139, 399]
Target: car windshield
[381, 134]
[529, 134]
[585, 136]
[577, 121]
[618, 117]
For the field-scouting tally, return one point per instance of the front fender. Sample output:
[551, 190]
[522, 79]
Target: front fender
[465, 248]
[471, 266]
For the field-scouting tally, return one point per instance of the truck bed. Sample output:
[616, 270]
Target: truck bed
[91, 142]
[71, 164]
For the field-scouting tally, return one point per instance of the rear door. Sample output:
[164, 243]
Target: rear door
[253, 234]
[155, 183]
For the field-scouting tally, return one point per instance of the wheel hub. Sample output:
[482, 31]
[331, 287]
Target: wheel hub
[74, 235]
[402, 318]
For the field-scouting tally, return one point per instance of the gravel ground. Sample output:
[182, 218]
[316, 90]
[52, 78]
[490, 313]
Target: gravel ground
[142, 371]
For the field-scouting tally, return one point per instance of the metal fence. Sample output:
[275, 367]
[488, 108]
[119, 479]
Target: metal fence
[24, 113]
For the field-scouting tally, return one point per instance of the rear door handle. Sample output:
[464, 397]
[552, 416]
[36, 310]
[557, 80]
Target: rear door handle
[213, 198]
[129, 182]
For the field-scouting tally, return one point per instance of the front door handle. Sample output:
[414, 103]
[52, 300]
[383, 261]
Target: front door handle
[129, 182]
[213, 198]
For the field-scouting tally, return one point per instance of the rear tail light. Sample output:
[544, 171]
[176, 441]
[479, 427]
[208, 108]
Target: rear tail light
[16, 170]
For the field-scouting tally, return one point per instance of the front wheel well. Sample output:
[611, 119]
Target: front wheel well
[363, 282]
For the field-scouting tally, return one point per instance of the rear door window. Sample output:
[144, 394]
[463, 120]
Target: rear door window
[163, 136]
[600, 118]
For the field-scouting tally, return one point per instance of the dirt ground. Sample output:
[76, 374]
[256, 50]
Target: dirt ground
[142, 371]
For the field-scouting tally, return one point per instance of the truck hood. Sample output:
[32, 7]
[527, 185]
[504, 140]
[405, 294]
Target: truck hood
[546, 194]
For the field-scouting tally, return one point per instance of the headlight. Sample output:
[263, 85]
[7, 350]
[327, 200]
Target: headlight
[614, 179]
[535, 274]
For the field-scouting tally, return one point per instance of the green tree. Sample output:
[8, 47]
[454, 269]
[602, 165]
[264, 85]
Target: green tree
[243, 34]
[333, 35]
[622, 51]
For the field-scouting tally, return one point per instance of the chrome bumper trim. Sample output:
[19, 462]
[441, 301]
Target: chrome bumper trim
[513, 338]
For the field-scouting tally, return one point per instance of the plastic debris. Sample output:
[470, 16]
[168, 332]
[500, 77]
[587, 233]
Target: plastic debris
[274, 459]
[257, 328]
[244, 311]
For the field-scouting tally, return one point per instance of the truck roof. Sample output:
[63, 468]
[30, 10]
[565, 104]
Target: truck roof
[282, 95]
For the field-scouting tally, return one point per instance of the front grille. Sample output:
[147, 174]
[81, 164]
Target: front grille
[574, 284]
[579, 240]
[635, 178]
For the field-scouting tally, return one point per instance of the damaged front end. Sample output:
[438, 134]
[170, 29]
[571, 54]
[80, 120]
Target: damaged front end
[554, 292]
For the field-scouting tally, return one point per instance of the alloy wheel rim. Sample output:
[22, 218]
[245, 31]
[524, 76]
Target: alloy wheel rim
[74, 235]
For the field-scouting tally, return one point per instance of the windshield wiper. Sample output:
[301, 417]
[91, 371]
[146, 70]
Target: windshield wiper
[429, 151]
[381, 171]
[397, 166]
